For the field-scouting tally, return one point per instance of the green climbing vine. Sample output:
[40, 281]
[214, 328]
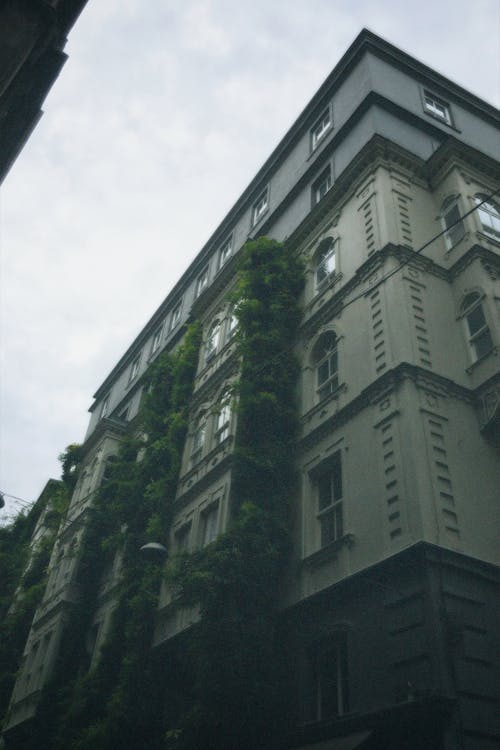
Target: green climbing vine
[240, 680]
[224, 683]
[107, 706]
[24, 569]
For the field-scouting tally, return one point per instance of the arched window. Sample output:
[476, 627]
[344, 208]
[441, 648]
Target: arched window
[222, 420]
[489, 215]
[198, 438]
[212, 340]
[478, 332]
[452, 221]
[325, 359]
[324, 262]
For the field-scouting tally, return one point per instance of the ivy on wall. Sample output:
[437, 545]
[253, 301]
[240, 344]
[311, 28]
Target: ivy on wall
[223, 684]
[240, 677]
[24, 568]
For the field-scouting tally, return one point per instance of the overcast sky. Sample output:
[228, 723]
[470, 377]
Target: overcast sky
[163, 113]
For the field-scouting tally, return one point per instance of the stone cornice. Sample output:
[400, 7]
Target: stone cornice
[378, 389]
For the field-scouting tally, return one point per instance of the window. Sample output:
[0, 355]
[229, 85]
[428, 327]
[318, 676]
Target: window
[328, 679]
[325, 360]
[452, 221]
[489, 215]
[225, 252]
[222, 421]
[176, 316]
[321, 128]
[325, 262]
[107, 474]
[232, 325]
[202, 281]
[329, 491]
[198, 440]
[123, 415]
[478, 332]
[208, 524]
[259, 207]
[134, 368]
[321, 186]
[182, 538]
[212, 341]
[105, 407]
[436, 107]
[155, 344]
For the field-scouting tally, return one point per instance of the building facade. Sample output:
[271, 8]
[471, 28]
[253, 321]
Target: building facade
[32, 40]
[386, 187]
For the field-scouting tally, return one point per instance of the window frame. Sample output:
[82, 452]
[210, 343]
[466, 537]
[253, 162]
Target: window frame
[198, 438]
[258, 210]
[317, 193]
[320, 674]
[488, 207]
[432, 105]
[330, 515]
[156, 340]
[322, 126]
[213, 340]
[456, 230]
[183, 532]
[325, 386]
[222, 428]
[203, 280]
[225, 252]
[483, 330]
[104, 410]
[212, 510]
[134, 368]
[330, 250]
[175, 316]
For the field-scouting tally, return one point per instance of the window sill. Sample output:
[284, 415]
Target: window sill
[329, 552]
[318, 408]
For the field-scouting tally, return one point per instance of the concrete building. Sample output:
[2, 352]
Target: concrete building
[386, 186]
[32, 40]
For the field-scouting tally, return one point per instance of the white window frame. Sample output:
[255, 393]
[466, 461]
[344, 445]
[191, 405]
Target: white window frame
[202, 281]
[260, 207]
[209, 523]
[476, 333]
[134, 367]
[325, 386]
[330, 515]
[436, 107]
[452, 221]
[222, 421]
[175, 316]
[488, 215]
[225, 251]
[321, 127]
[213, 340]
[104, 407]
[325, 262]
[198, 438]
[155, 343]
[321, 186]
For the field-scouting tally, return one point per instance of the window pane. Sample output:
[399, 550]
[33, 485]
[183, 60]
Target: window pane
[483, 344]
[323, 372]
[476, 320]
[324, 492]
[327, 529]
[329, 683]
